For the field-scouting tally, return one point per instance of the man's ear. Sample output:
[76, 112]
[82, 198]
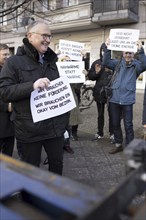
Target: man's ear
[28, 35]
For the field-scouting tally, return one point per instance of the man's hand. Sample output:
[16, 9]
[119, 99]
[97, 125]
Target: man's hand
[41, 83]
[10, 107]
[107, 43]
[139, 44]
[85, 72]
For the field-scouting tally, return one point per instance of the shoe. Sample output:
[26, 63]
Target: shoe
[46, 161]
[117, 148]
[74, 137]
[112, 139]
[68, 149]
[21, 157]
[97, 137]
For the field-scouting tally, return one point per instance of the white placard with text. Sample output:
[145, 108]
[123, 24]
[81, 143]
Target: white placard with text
[123, 40]
[71, 49]
[73, 70]
[52, 101]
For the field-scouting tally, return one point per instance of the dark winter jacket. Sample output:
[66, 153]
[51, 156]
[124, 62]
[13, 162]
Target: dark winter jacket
[6, 125]
[16, 84]
[102, 79]
[124, 85]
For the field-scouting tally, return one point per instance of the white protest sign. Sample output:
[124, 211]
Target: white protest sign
[72, 49]
[52, 101]
[73, 70]
[123, 40]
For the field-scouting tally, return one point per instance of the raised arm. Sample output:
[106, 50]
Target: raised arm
[107, 61]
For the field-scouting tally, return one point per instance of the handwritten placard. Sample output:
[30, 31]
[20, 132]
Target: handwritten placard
[123, 39]
[52, 101]
[72, 70]
[72, 49]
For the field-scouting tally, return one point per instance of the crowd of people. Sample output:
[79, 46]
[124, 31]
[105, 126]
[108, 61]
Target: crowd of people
[34, 67]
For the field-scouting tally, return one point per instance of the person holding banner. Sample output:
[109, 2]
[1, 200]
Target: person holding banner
[32, 68]
[123, 92]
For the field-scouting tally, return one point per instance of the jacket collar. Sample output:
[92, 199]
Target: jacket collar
[30, 50]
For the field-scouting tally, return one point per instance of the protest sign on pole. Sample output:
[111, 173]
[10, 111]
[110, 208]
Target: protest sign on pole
[72, 49]
[123, 40]
[52, 101]
[73, 71]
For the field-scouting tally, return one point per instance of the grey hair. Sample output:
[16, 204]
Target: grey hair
[33, 24]
[3, 46]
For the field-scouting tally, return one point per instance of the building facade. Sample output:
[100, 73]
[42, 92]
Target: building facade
[86, 21]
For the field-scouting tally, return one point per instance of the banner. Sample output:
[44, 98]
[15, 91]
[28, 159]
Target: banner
[52, 101]
[72, 70]
[123, 40]
[72, 49]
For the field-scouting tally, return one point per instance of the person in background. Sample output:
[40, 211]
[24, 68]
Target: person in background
[6, 124]
[33, 67]
[144, 114]
[123, 92]
[102, 76]
[67, 133]
[76, 118]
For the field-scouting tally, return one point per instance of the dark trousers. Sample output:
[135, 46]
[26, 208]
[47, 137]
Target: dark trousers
[100, 118]
[7, 145]
[125, 111]
[53, 148]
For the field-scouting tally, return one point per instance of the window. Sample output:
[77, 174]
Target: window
[67, 3]
[3, 19]
[48, 5]
[73, 2]
[19, 13]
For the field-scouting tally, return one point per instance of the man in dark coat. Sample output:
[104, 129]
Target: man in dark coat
[33, 67]
[6, 125]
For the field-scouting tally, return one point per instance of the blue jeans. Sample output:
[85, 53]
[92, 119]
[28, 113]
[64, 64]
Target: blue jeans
[124, 112]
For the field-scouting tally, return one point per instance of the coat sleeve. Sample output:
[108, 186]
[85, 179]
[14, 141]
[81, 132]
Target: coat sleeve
[144, 109]
[107, 61]
[3, 106]
[11, 89]
[141, 66]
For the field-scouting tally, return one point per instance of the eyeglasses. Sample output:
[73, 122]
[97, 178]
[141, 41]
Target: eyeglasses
[44, 36]
[128, 53]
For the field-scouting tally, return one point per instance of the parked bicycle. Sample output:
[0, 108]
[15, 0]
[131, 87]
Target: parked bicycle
[87, 94]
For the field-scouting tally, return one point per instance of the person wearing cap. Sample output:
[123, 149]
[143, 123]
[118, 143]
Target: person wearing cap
[102, 76]
[123, 92]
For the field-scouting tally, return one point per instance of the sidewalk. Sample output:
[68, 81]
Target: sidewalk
[91, 164]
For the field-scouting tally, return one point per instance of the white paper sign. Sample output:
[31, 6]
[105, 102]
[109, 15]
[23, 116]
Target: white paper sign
[55, 100]
[73, 71]
[72, 49]
[123, 40]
